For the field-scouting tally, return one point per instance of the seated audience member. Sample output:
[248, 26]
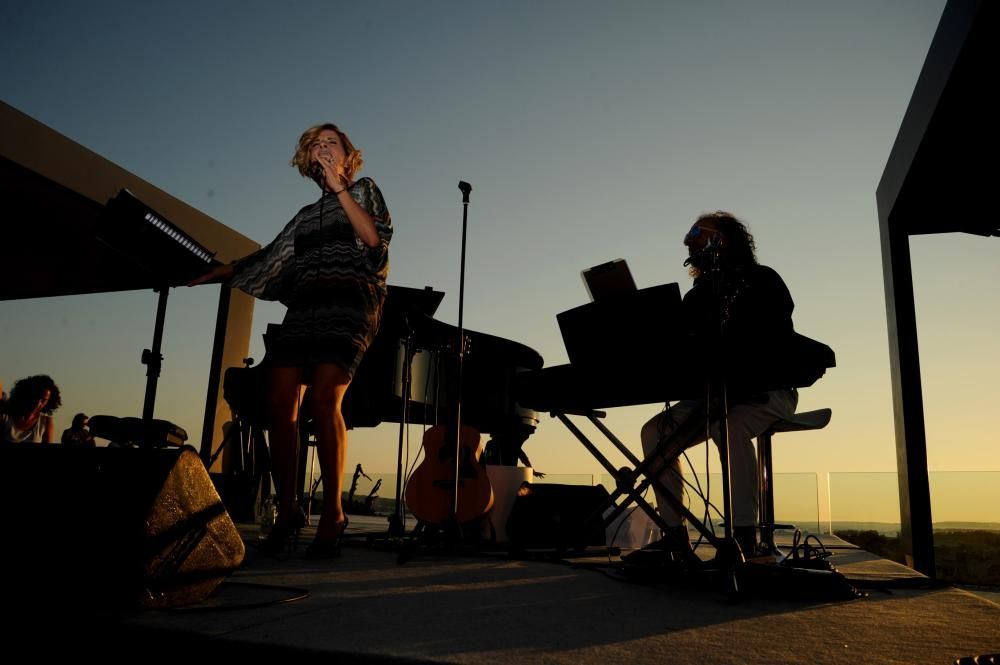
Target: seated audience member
[26, 416]
[78, 436]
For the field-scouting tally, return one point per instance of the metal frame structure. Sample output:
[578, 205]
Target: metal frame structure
[939, 178]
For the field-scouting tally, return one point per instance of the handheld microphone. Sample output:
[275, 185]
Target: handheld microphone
[316, 171]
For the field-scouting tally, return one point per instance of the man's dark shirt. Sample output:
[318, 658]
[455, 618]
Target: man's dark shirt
[756, 312]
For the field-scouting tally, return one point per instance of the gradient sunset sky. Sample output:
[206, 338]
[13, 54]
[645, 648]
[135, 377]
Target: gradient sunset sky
[589, 131]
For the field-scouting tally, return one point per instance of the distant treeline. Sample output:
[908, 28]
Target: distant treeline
[962, 556]
[892, 528]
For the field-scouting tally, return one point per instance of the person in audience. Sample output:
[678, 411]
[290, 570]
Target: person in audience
[26, 416]
[78, 435]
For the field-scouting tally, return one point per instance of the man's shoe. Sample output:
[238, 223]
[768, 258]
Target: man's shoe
[746, 538]
[673, 547]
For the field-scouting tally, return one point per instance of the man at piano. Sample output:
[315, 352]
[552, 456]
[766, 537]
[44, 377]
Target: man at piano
[329, 266]
[738, 312]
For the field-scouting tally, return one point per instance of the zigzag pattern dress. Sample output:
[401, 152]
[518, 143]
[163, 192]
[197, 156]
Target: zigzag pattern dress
[332, 283]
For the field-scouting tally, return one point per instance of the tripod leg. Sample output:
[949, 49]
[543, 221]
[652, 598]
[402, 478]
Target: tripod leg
[262, 461]
[410, 544]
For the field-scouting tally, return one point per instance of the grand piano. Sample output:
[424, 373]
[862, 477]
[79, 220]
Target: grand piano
[490, 366]
[408, 329]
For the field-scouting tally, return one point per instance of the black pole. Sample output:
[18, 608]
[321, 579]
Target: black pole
[215, 374]
[153, 361]
[396, 528]
[916, 525]
[731, 555]
[466, 188]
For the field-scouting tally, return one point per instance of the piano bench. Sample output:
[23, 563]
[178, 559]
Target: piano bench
[799, 422]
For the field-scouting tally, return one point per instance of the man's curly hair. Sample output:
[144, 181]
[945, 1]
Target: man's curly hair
[740, 247]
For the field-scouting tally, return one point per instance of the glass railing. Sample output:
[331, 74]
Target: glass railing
[383, 502]
[960, 500]
[965, 508]
[864, 500]
[795, 497]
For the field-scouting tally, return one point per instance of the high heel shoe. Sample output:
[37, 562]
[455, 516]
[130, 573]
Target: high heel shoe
[283, 539]
[328, 548]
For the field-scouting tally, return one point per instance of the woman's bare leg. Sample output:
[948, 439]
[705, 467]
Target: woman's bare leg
[330, 382]
[284, 390]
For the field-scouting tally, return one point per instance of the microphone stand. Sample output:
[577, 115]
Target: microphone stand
[466, 189]
[452, 529]
[731, 557]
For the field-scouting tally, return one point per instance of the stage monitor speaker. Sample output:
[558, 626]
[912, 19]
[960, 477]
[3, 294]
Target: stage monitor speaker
[563, 517]
[112, 528]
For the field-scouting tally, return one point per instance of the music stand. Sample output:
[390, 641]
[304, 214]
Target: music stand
[607, 281]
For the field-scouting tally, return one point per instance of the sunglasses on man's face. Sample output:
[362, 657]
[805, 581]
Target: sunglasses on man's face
[696, 232]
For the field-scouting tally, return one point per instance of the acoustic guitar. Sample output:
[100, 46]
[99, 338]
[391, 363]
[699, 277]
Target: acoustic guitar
[430, 494]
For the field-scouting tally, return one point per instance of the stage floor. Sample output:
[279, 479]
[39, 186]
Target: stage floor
[364, 607]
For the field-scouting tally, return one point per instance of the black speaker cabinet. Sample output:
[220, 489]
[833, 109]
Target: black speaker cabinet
[112, 527]
[563, 517]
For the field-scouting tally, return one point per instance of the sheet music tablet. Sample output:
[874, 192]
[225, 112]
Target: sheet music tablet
[608, 281]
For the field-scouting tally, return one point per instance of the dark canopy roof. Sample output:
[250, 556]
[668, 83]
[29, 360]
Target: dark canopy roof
[54, 193]
[942, 172]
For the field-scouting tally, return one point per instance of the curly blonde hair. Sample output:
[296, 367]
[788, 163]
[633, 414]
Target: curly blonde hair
[300, 160]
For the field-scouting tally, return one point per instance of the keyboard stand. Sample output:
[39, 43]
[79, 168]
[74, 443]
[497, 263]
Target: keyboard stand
[631, 483]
